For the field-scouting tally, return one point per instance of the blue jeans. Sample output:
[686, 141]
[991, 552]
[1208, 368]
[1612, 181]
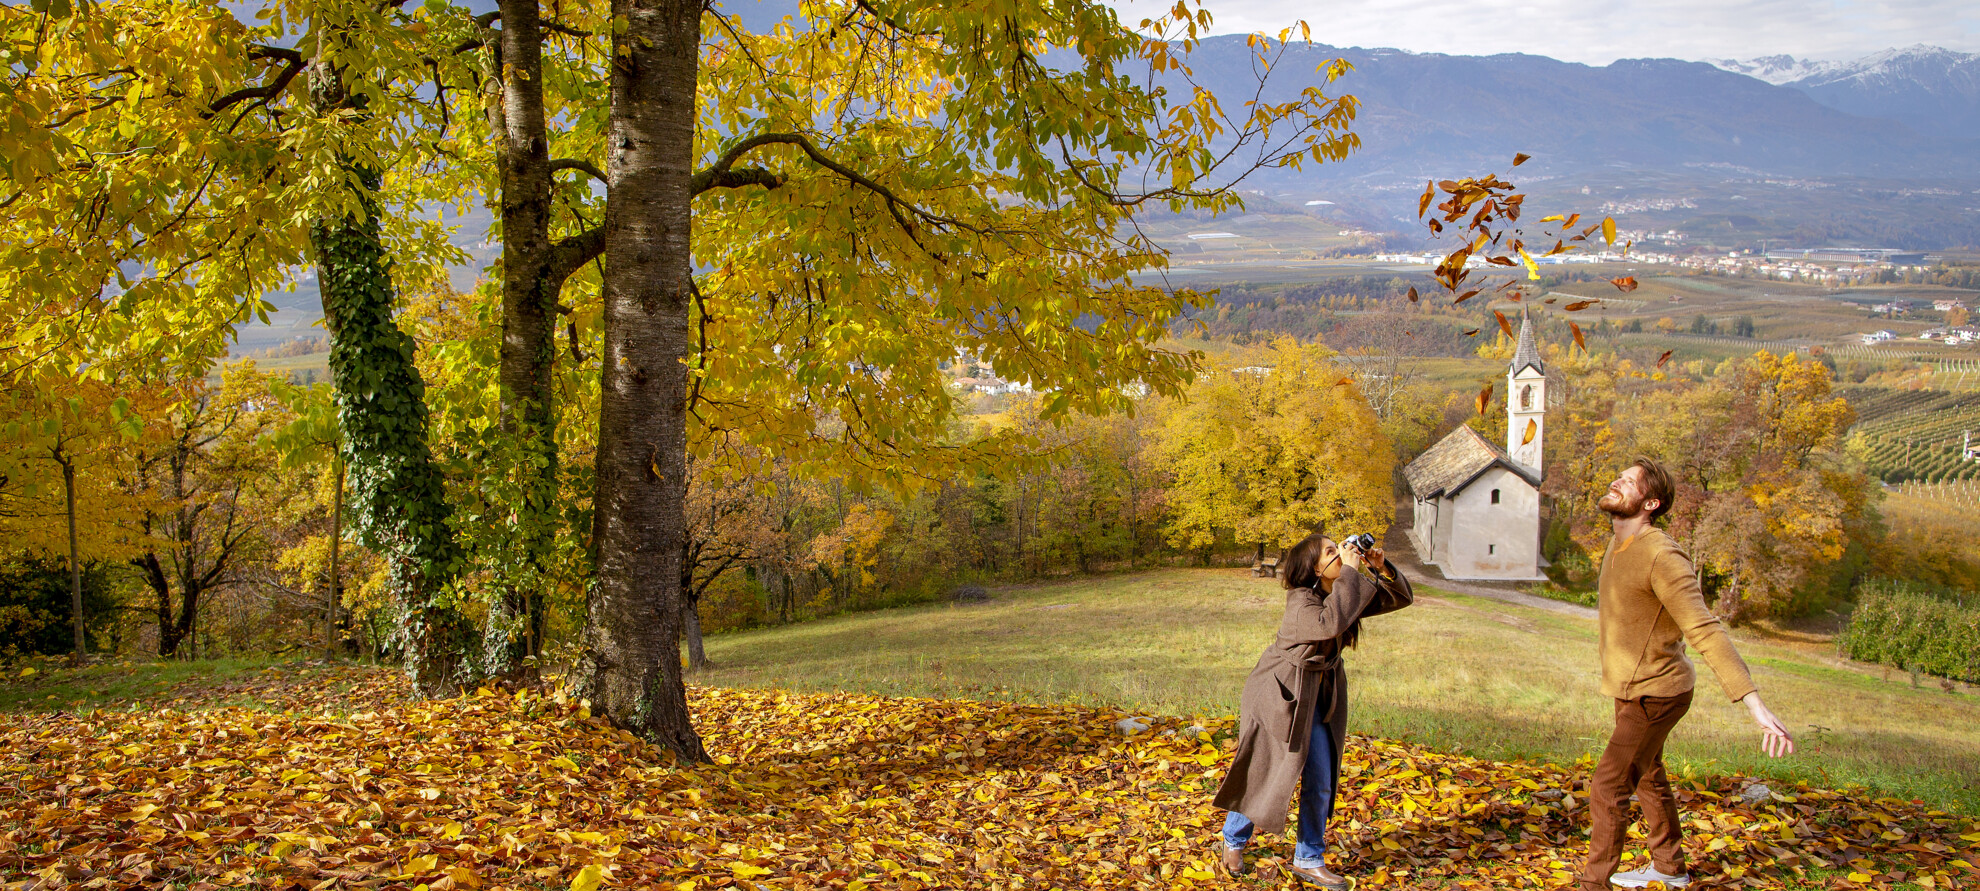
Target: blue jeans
[1316, 804]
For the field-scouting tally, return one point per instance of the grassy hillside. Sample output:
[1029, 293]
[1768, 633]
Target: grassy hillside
[1454, 673]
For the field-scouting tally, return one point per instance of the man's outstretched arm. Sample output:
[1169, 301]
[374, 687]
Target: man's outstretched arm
[1676, 586]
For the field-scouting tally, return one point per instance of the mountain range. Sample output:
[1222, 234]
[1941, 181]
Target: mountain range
[1433, 109]
[1882, 150]
[1930, 89]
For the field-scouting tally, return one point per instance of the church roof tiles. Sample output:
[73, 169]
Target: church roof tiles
[1455, 461]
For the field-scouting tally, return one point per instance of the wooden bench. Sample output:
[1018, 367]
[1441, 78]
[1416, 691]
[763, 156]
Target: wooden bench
[1267, 568]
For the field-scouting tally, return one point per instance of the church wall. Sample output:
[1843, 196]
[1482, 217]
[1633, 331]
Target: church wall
[1446, 526]
[1423, 522]
[1494, 541]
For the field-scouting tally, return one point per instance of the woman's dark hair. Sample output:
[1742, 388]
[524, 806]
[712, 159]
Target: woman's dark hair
[1300, 566]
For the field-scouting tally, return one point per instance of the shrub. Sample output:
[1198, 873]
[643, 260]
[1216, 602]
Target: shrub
[1916, 629]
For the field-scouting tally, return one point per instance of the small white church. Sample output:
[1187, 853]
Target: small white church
[1477, 506]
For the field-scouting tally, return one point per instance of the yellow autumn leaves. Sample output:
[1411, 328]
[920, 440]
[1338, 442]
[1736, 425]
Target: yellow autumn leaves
[820, 791]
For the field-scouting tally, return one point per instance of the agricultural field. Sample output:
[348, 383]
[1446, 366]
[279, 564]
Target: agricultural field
[1957, 498]
[1782, 311]
[1914, 435]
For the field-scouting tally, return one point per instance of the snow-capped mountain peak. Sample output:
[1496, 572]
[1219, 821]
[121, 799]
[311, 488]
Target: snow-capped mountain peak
[1929, 88]
[1776, 70]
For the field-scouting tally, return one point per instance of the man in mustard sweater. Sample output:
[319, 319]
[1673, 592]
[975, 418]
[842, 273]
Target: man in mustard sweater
[1650, 607]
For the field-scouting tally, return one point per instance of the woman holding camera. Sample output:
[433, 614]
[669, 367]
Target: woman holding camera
[1292, 723]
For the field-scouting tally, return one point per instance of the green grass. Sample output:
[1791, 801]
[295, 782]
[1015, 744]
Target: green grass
[109, 684]
[1456, 673]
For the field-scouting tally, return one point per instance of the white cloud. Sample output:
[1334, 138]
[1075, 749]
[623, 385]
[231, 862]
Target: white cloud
[1600, 32]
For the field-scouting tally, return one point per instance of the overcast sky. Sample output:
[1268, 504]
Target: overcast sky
[1602, 31]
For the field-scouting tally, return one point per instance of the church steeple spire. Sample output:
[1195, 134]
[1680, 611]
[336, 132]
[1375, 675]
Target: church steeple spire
[1526, 354]
[1526, 399]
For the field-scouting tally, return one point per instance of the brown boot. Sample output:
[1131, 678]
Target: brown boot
[1316, 879]
[1232, 861]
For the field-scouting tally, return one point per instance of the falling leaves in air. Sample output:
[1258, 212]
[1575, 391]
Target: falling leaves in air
[1520, 158]
[836, 791]
[1578, 341]
[1624, 284]
[1505, 325]
[1666, 357]
[1532, 430]
[1412, 294]
[1580, 305]
[1473, 332]
[1484, 398]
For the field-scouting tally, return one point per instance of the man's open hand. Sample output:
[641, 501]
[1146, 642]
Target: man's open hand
[1774, 736]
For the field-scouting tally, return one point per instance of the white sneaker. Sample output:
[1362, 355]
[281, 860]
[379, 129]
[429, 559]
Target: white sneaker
[1641, 878]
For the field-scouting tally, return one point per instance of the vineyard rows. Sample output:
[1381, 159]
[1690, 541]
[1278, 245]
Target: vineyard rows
[1958, 494]
[1915, 435]
[1958, 375]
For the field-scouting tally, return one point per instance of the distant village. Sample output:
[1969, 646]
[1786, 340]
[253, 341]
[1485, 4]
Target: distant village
[1956, 332]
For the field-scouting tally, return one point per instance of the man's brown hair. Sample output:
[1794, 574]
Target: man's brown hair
[1657, 484]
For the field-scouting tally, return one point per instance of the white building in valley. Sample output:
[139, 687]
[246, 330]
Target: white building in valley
[1477, 506]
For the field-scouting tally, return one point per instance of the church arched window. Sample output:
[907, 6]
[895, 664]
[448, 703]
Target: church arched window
[1526, 398]
[1495, 496]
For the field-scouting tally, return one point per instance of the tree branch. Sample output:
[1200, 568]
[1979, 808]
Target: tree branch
[577, 164]
[570, 253]
[709, 178]
[291, 59]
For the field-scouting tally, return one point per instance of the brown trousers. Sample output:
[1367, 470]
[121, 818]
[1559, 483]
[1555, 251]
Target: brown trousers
[1634, 762]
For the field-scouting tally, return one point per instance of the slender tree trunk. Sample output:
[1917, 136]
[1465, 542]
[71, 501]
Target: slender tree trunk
[336, 596]
[529, 306]
[632, 664]
[75, 558]
[691, 608]
[691, 618]
[381, 401]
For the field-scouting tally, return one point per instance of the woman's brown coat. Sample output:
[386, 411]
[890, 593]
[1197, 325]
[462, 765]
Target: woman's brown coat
[1298, 676]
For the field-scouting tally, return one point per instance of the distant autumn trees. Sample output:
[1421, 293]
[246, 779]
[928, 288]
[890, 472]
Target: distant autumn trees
[1768, 504]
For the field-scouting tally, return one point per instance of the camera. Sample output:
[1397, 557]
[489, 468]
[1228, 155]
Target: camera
[1364, 542]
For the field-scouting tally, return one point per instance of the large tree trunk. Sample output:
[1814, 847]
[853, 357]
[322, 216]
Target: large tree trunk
[632, 662]
[381, 401]
[528, 357]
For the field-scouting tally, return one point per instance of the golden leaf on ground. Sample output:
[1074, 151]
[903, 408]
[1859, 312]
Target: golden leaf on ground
[588, 878]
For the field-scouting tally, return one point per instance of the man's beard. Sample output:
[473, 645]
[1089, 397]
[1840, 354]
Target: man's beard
[1615, 505]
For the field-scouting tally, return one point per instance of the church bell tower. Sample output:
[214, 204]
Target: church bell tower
[1526, 400]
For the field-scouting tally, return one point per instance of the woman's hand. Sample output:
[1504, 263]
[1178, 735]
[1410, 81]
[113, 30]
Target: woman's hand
[1351, 558]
